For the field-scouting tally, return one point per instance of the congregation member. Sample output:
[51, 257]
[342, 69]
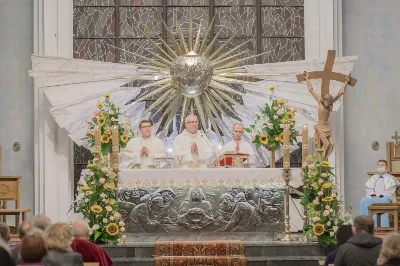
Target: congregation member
[41, 222]
[5, 251]
[381, 188]
[90, 252]
[33, 249]
[238, 145]
[342, 235]
[24, 227]
[362, 249]
[390, 252]
[140, 152]
[193, 146]
[58, 238]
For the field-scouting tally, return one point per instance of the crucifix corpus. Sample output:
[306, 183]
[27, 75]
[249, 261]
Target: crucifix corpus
[323, 134]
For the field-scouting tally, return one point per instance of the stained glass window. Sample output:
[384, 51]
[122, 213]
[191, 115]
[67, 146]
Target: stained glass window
[267, 25]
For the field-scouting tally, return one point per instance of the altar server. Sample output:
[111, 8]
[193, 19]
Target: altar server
[381, 188]
[192, 146]
[239, 145]
[140, 152]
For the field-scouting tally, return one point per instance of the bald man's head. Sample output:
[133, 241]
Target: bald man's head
[80, 229]
[191, 123]
[237, 132]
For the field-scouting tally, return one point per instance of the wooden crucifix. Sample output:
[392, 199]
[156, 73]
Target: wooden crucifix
[323, 136]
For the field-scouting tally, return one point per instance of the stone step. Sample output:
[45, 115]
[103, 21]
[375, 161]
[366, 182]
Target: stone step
[255, 249]
[252, 261]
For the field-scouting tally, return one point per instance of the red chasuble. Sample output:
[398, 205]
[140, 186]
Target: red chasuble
[91, 252]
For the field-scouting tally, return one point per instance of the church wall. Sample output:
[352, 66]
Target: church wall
[16, 95]
[370, 30]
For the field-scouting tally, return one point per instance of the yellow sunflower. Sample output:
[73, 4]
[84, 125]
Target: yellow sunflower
[325, 164]
[112, 229]
[105, 139]
[291, 124]
[85, 188]
[107, 96]
[99, 105]
[124, 138]
[271, 88]
[101, 121]
[280, 101]
[281, 137]
[327, 199]
[290, 115]
[318, 229]
[263, 139]
[327, 185]
[91, 165]
[96, 209]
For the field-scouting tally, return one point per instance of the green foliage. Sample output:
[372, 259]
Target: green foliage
[269, 124]
[96, 201]
[321, 201]
[107, 116]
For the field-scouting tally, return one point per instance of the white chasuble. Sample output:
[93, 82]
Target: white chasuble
[244, 147]
[182, 147]
[131, 158]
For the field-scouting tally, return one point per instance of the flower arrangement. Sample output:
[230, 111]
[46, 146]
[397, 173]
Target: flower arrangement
[269, 124]
[107, 116]
[321, 201]
[96, 201]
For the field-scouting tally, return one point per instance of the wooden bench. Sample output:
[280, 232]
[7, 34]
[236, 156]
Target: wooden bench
[382, 208]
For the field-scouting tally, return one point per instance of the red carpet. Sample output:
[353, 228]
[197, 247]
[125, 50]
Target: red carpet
[186, 253]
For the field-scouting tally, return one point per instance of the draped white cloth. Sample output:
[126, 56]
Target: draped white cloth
[182, 147]
[131, 158]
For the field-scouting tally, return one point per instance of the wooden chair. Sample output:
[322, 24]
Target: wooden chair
[10, 191]
[393, 159]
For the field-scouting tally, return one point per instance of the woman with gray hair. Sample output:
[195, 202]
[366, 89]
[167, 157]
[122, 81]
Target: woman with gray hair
[58, 238]
[390, 252]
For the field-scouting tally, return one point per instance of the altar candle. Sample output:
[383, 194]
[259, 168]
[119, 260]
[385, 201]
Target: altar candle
[286, 147]
[97, 138]
[304, 136]
[115, 147]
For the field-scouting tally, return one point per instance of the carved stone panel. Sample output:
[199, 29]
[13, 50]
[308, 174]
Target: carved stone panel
[202, 209]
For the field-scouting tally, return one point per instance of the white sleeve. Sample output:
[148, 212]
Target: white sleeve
[158, 151]
[131, 155]
[179, 149]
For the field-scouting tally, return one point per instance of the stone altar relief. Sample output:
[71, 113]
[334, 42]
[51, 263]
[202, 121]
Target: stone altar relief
[204, 200]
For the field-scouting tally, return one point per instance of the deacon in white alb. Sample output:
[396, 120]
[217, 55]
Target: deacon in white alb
[140, 152]
[193, 146]
[239, 145]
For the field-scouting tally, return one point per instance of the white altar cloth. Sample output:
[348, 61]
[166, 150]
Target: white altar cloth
[210, 177]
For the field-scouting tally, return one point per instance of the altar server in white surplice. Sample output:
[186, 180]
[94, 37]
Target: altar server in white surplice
[239, 145]
[193, 146]
[140, 152]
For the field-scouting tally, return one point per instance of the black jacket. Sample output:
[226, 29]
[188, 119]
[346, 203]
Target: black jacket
[392, 262]
[362, 249]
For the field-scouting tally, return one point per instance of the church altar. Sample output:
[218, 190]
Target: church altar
[204, 200]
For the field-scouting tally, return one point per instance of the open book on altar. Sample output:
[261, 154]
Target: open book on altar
[233, 159]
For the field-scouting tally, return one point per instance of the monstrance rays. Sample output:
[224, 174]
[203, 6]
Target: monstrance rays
[193, 76]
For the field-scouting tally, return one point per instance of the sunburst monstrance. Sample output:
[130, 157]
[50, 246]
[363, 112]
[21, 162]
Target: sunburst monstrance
[190, 74]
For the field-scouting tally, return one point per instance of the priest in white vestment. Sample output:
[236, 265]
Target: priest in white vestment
[141, 152]
[192, 146]
[381, 188]
[239, 145]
